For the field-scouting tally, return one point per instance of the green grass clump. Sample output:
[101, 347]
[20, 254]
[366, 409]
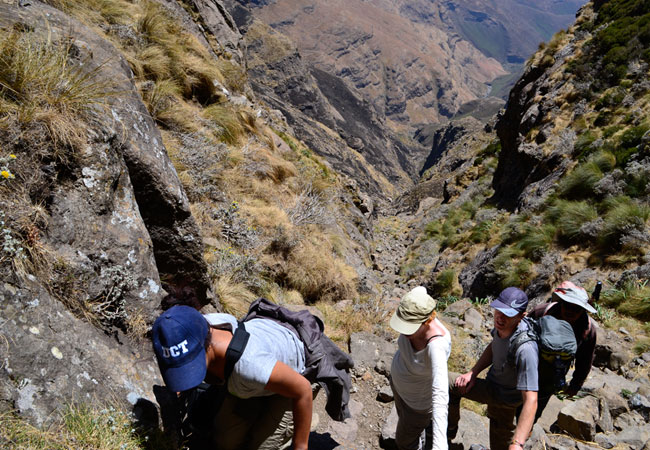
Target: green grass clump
[579, 183]
[444, 282]
[569, 216]
[513, 269]
[80, 427]
[623, 216]
[632, 299]
[535, 240]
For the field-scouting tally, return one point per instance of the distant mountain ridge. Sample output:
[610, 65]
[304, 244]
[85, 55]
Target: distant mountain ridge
[417, 62]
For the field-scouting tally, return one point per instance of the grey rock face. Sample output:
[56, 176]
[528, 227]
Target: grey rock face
[118, 218]
[367, 350]
[54, 358]
[579, 418]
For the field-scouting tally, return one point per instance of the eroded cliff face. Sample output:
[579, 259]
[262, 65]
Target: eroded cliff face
[332, 119]
[112, 220]
[536, 143]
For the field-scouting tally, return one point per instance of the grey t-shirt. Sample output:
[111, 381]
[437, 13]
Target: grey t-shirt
[269, 342]
[511, 379]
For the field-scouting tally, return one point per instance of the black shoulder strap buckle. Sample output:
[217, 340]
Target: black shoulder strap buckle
[235, 348]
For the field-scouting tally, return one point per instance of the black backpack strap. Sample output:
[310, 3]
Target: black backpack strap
[235, 349]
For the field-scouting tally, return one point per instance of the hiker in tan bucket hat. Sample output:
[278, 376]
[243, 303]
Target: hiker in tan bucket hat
[419, 373]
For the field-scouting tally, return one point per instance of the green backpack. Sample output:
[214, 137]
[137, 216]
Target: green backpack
[557, 348]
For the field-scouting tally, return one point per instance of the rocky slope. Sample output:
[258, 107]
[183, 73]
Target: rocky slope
[180, 171]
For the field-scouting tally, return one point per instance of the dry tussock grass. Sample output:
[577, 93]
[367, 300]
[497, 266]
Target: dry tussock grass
[265, 216]
[314, 271]
[45, 92]
[282, 296]
[234, 297]
[275, 46]
[342, 321]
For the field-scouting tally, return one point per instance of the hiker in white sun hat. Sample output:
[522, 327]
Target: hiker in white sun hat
[570, 302]
[419, 373]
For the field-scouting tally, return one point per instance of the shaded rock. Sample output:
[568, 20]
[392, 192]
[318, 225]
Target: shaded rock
[550, 414]
[367, 350]
[610, 352]
[615, 403]
[389, 428]
[640, 404]
[472, 429]
[578, 419]
[385, 394]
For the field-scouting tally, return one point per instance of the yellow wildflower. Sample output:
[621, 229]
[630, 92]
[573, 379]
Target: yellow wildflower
[5, 174]
[12, 156]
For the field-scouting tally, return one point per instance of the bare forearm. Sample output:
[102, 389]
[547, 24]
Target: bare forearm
[526, 419]
[302, 409]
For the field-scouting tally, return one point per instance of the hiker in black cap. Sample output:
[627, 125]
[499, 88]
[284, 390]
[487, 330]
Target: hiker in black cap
[508, 384]
[191, 348]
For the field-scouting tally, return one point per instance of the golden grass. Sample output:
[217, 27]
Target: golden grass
[265, 216]
[282, 296]
[41, 84]
[343, 320]
[317, 274]
[234, 297]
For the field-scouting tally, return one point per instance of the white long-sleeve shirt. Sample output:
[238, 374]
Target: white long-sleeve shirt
[421, 380]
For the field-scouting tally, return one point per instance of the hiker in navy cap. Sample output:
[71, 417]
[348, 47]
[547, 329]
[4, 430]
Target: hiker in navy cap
[508, 385]
[265, 382]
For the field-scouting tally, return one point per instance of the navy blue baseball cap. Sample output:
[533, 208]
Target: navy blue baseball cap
[511, 301]
[179, 343]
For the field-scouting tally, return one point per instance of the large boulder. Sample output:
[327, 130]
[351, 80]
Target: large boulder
[578, 419]
[371, 352]
[116, 220]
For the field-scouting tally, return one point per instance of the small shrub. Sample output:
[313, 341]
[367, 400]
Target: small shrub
[632, 298]
[623, 215]
[237, 267]
[580, 182]
[569, 216]
[310, 207]
[444, 282]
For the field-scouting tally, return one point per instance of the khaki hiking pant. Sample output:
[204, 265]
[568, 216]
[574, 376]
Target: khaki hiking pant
[255, 423]
[501, 415]
[413, 426]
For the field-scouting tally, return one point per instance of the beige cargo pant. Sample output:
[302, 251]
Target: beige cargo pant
[501, 415]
